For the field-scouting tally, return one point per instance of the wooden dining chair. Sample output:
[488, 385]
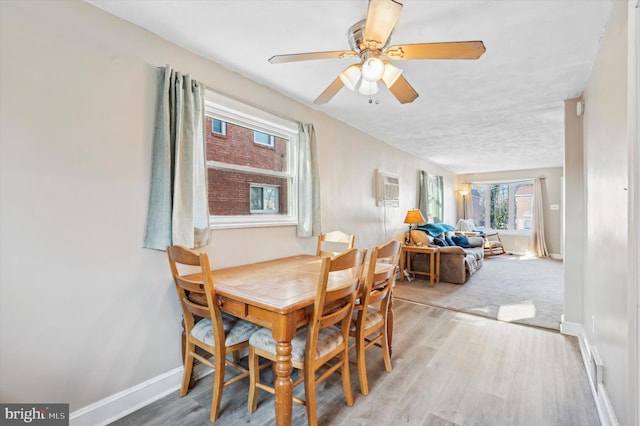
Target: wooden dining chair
[334, 242]
[206, 328]
[369, 325]
[324, 339]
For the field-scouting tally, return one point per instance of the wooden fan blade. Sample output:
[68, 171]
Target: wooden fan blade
[296, 57]
[447, 50]
[329, 92]
[403, 91]
[382, 16]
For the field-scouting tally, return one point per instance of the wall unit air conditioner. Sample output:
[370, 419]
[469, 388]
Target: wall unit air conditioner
[387, 189]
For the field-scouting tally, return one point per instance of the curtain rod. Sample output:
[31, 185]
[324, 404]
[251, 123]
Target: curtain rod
[503, 181]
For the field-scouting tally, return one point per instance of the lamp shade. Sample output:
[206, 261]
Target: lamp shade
[351, 76]
[391, 74]
[367, 88]
[372, 69]
[414, 216]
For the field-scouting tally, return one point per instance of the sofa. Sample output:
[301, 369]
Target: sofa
[457, 264]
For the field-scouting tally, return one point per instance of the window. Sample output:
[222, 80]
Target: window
[263, 138]
[264, 198]
[250, 185]
[219, 127]
[505, 206]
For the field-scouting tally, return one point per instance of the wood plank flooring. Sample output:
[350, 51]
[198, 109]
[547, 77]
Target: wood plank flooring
[449, 369]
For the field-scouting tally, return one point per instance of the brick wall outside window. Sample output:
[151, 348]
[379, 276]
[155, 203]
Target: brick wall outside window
[229, 190]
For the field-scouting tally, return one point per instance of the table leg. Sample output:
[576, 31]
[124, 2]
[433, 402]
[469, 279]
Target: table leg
[432, 270]
[283, 384]
[437, 266]
[402, 260]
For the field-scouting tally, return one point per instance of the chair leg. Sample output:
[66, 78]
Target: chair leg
[310, 395]
[362, 367]
[386, 351]
[254, 378]
[188, 368]
[346, 379]
[218, 384]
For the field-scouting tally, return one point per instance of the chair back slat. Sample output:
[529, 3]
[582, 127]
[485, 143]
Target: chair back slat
[196, 308]
[334, 242]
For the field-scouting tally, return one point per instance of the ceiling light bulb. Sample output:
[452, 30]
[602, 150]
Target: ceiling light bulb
[368, 88]
[391, 74]
[372, 69]
[351, 76]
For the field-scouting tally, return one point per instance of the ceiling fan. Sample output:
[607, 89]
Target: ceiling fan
[368, 40]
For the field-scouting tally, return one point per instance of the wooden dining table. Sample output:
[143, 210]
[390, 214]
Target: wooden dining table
[279, 295]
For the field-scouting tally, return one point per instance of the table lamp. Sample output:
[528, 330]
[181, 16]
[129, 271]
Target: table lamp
[414, 216]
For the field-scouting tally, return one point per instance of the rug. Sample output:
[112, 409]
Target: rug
[507, 288]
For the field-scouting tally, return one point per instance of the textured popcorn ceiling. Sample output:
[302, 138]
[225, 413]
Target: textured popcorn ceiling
[501, 112]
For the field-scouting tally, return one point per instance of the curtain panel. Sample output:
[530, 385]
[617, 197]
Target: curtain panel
[431, 196]
[537, 243]
[309, 216]
[178, 211]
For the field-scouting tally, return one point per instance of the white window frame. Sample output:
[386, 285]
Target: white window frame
[232, 111]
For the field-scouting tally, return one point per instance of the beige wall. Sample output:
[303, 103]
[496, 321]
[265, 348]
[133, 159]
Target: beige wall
[85, 311]
[606, 146]
[574, 213]
[551, 194]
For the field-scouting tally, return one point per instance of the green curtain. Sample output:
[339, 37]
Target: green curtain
[178, 211]
[309, 217]
[431, 196]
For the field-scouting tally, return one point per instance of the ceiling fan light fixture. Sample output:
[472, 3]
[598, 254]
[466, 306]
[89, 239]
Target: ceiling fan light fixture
[368, 88]
[351, 76]
[372, 69]
[391, 74]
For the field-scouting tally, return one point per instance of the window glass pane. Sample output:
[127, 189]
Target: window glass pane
[524, 206]
[234, 193]
[218, 126]
[507, 206]
[239, 149]
[264, 199]
[263, 138]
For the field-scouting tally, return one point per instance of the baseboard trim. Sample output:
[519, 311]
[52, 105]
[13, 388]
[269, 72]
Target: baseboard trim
[603, 404]
[129, 400]
[557, 256]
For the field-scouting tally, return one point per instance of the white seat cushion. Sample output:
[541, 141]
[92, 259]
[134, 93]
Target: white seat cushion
[374, 316]
[328, 339]
[236, 330]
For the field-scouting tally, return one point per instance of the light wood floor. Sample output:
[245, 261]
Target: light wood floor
[449, 368]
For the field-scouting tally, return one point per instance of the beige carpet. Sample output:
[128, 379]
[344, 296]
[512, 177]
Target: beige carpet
[507, 288]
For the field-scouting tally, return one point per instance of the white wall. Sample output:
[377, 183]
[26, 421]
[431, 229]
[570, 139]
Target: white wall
[85, 311]
[551, 194]
[606, 267]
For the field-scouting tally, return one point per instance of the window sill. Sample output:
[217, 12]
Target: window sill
[512, 233]
[261, 221]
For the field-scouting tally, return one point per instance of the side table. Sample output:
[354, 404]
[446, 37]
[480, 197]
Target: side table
[434, 262]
